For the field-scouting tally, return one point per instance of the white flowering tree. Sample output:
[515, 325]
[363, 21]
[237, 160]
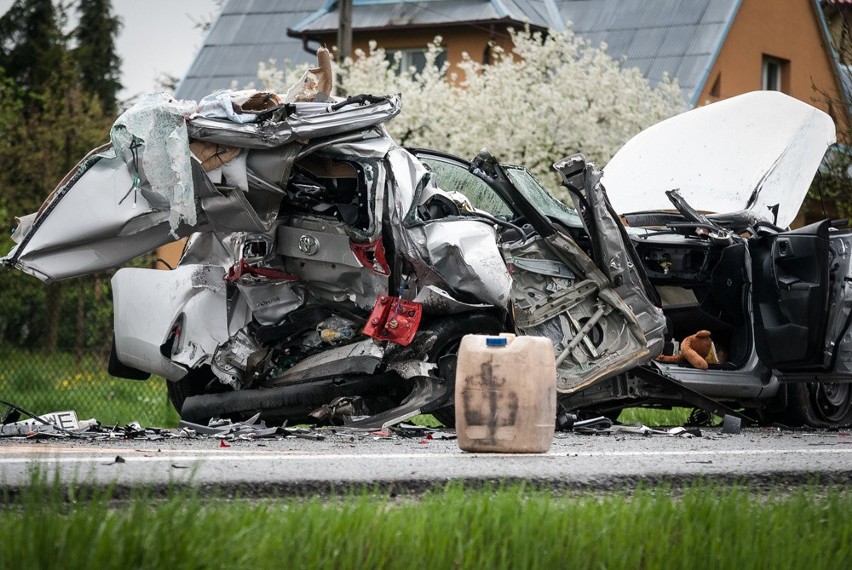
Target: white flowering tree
[551, 95]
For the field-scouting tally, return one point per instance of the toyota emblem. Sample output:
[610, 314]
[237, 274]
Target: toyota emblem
[308, 245]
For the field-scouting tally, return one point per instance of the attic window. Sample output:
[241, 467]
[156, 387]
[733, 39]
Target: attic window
[414, 57]
[773, 75]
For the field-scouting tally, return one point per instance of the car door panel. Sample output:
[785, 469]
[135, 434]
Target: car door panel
[791, 284]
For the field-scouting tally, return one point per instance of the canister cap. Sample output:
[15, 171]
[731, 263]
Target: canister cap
[496, 341]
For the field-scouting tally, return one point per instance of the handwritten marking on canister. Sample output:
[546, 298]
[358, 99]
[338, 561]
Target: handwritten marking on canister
[505, 394]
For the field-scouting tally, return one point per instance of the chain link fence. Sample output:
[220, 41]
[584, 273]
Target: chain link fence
[54, 348]
[63, 380]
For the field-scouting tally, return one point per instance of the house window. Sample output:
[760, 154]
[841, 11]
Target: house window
[774, 71]
[414, 57]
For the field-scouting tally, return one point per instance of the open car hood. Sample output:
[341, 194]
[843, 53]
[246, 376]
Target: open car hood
[757, 152]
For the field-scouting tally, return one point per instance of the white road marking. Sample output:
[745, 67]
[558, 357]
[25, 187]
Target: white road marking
[224, 455]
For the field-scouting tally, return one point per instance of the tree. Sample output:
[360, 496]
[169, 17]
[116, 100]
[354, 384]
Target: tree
[30, 42]
[49, 120]
[830, 194]
[98, 65]
[551, 95]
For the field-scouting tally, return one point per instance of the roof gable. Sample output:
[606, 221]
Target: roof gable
[246, 33]
[660, 36]
[680, 37]
[383, 14]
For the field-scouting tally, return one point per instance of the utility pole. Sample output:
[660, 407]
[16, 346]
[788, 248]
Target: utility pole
[344, 31]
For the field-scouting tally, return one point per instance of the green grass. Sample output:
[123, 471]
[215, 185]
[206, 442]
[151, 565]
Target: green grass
[701, 527]
[43, 383]
[654, 417]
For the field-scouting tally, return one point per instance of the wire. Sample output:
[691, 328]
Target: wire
[135, 186]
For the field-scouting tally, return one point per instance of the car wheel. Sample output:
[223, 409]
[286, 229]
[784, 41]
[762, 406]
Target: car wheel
[446, 349]
[193, 384]
[821, 405]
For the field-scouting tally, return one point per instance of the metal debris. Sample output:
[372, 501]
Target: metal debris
[731, 424]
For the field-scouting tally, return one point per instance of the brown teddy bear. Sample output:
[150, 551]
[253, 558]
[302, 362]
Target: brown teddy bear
[695, 349]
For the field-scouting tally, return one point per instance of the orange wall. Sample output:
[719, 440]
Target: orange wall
[456, 40]
[784, 29]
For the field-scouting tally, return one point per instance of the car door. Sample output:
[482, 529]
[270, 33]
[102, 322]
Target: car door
[557, 290]
[790, 296]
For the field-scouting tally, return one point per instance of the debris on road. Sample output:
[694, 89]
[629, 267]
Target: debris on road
[65, 425]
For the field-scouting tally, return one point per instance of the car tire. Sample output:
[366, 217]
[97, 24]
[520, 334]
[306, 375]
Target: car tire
[445, 351]
[193, 384]
[821, 405]
[120, 370]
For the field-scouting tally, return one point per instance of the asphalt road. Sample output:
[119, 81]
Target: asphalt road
[344, 460]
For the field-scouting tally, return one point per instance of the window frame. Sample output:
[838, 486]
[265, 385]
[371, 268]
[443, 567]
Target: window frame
[772, 74]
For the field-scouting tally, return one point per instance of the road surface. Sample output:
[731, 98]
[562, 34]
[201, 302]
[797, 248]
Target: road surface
[345, 460]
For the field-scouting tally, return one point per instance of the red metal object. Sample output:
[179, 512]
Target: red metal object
[371, 255]
[245, 268]
[394, 319]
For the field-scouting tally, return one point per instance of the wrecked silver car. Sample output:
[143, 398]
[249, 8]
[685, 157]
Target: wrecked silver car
[329, 274]
[694, 213]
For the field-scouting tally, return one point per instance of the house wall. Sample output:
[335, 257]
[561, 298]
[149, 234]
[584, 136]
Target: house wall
[456, 40]
[839, 17]
[788, 30]
[784, 29]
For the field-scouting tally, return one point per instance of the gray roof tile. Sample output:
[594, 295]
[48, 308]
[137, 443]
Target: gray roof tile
[680, 37]
[246, 33]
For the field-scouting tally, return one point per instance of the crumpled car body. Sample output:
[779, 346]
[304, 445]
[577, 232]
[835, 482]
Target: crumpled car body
[329, 274]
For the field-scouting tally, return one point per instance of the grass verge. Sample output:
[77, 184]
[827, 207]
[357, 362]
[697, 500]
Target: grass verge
[44, 383]
[500, 527]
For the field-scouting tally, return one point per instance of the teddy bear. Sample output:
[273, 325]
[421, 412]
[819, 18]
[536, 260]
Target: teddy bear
[696, 349]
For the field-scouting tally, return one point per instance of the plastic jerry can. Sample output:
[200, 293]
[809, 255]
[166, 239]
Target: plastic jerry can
[505, 394]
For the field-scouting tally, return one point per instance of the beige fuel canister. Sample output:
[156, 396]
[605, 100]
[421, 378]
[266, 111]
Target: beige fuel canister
[505, 394]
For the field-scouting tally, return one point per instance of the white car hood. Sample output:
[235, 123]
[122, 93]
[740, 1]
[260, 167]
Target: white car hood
[755, 151]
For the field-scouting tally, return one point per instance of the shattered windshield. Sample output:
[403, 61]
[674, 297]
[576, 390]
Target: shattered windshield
[539, 197]
[452, 177]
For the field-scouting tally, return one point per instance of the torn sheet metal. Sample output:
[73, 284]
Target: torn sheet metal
[594, 333]
[361, 357]
[426, 391]
[409, 238]
[149, 303]
[225, 429]
[436, 300]
[465, 254]
[614, 252]
[157, 123]
[95, 220]
[321, 253]
[304, 121]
